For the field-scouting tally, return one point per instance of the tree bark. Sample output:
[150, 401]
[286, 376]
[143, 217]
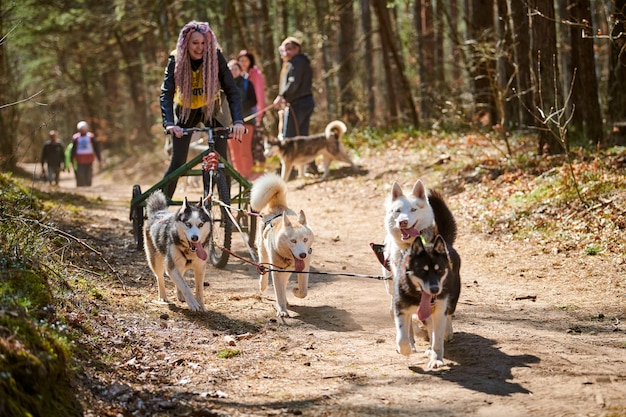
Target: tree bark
[423, 18]
[587, 117]
[346, 61]
[617, 68]
[368, 63]
[521, 40]
[388, 39]
[482, 68]
[547, 96]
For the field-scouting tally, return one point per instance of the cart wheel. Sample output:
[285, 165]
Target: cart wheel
[222, 225]
[136, 215]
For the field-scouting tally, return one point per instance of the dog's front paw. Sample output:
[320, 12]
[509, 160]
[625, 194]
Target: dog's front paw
[435, 364]
[297, 293]
[282, 312]
[404, 347]
[434, 361]
[194, 305]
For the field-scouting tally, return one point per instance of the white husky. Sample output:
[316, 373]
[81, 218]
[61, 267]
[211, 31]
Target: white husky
[407, 216]
[284, 242]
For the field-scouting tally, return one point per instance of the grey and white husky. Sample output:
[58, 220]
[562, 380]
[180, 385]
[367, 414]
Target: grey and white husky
[285, 240]
[428, 279]
[176, 242]
[298, 151]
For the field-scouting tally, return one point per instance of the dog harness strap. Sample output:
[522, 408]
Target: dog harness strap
[268, 221]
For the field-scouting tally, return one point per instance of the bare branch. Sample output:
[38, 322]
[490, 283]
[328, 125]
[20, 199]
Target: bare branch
[24, 100]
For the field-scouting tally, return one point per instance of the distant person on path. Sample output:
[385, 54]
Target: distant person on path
[195, 72]
[295, 91]
[71, 165]
[53, 155]
[241, 154]
[250, 70]
[85, 150]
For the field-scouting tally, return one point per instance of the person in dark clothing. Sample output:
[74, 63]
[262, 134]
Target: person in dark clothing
[53, 155]
[295, 92]
[195, 73]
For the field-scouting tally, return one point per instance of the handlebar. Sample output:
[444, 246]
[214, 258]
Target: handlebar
[220, 132]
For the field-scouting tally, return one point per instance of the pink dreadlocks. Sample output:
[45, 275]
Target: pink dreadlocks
[182, 71]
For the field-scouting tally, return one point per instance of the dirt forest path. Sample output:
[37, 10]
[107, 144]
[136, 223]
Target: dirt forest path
[537, 332]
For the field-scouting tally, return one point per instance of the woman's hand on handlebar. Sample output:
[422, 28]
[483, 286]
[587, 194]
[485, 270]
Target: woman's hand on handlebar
[176, 130]
[238, 131]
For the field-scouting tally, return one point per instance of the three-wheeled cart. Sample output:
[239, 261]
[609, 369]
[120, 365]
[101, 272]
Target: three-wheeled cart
[225, 192]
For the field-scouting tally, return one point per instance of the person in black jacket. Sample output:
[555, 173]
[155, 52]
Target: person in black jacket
[295, 91]
[53, 155]
[195, 73]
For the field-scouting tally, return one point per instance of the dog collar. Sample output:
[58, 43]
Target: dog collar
[268, 221]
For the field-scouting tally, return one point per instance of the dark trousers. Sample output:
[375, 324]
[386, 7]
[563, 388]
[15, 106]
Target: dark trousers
[180, 148]
[299, 117]
[298, 121]
[84, 175]
[54, 172]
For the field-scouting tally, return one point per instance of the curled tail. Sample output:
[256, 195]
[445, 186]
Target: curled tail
[268, 190]
[156, 202]
[334, 132]
[335, 128]
[446, 225]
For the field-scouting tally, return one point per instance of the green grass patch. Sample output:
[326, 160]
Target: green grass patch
[228, 353]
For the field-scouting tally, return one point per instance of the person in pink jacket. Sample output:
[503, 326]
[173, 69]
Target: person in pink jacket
[251, 71]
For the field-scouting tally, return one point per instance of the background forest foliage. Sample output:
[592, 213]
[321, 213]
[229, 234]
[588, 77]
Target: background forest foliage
[555, 68]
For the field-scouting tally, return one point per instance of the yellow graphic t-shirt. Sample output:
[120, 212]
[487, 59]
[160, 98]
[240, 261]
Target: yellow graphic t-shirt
[197, 89]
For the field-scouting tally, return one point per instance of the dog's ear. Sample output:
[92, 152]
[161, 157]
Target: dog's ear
[440, 245]
[185, 204]
[301, 217]
[396, 191]
[417, 246]
[286, 221]
[419, 190]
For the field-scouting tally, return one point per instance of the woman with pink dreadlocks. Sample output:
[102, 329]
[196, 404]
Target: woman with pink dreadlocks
[195, 72]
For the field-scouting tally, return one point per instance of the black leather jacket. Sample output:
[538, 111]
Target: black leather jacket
[227, 83]
[298, 79]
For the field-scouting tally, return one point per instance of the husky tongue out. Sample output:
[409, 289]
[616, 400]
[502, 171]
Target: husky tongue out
[298, 264]
[409, 233]
[197, 247]
[424, 310]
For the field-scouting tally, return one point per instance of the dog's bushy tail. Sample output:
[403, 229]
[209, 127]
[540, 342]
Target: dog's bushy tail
[335, 128]
[156, 202]
[268, 190]
[446, 225]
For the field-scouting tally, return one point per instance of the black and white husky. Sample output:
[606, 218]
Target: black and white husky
[428, 279]
[176, 242]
